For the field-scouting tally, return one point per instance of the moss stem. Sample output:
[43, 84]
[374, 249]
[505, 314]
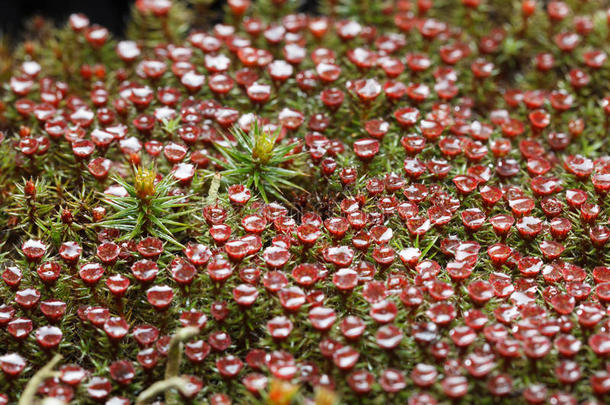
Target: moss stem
[29, 393]
[174, 355]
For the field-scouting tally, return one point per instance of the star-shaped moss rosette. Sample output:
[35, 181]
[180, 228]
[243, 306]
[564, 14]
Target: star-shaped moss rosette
[147, 208]
[258, 160]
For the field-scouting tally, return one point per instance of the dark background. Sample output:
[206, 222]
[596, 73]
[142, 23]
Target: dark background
[110, 13]
[113, 14]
